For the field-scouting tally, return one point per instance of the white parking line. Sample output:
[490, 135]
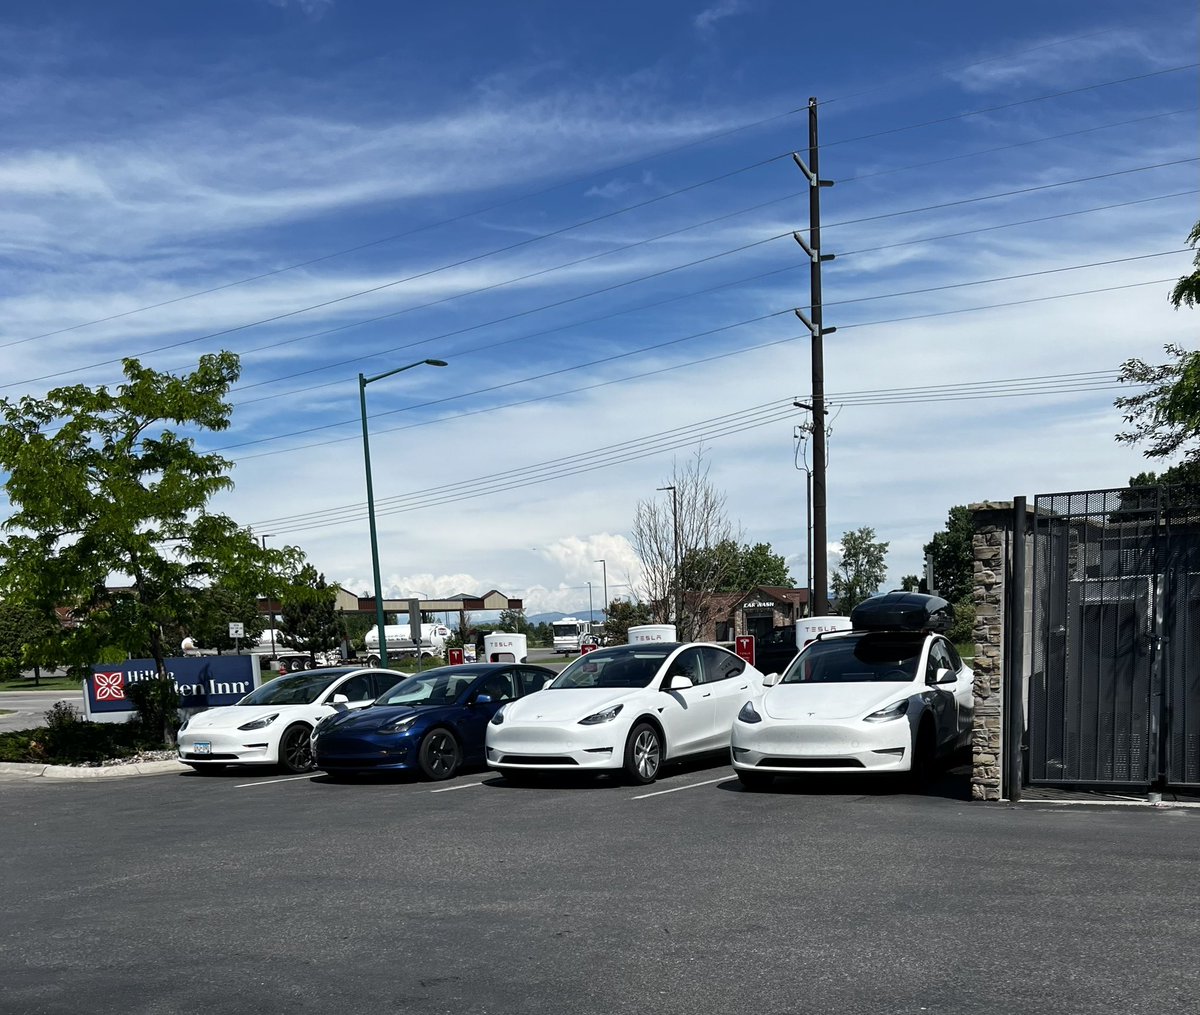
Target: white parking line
[676, 789]
[450, 789]
[271, 782]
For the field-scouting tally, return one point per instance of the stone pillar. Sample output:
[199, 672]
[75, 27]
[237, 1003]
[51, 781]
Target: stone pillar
[992, 521]
[992, 543]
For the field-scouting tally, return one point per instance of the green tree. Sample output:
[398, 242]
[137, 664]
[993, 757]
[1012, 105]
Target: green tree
[861, 570]
[107, 490]
[622, 615]
[513, 621]
[910, 583]
[216, 607]
[1164, 417]
[954, 556]
[29, 639]
[734, 568]
[308, 619]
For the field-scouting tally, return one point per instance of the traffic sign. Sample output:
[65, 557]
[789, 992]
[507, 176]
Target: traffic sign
[237, 630]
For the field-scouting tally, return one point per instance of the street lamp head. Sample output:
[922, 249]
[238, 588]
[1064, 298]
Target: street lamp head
[435, 363]
[666, 488]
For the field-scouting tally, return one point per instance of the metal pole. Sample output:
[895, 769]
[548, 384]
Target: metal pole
[589, 584]
[379, 625]
[1014, 725]
[363, 381]
[808, 536]
[820, 535]
[604, 570]
[264, 537]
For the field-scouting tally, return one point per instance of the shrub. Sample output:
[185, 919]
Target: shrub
[74, 741]
[61, 715]
[156, 703]
[963, 629]
[10, 668]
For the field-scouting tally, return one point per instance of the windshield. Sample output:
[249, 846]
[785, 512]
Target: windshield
[294, 689]
[626, 666]
[437, 687]
[887, 656]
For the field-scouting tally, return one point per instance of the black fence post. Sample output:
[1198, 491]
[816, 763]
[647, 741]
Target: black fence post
[1014, 651]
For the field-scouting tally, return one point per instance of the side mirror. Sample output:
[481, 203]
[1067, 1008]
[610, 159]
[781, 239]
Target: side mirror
[482, 699]
[945, 676]
[677, 682]
[339, 699]
[771, 679]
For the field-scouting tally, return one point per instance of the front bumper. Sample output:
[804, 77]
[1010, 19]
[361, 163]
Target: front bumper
[552, 747]
[364, 754]
[238, 747]
[781, 747]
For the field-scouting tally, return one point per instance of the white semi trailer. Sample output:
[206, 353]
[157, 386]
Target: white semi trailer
[400, 641]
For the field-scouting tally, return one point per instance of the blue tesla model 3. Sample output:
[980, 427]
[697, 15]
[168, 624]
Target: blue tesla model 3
[432, 723]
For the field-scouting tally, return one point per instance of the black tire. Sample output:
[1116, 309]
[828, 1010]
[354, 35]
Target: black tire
[439, 755]
[755, 780]
[373, 662]
[924, 758]
[643, 754]
[295, 750]
[206, 769]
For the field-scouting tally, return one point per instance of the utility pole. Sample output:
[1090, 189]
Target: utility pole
[815, 325]
[675, 540]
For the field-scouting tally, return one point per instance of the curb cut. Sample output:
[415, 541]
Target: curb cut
[111, 772]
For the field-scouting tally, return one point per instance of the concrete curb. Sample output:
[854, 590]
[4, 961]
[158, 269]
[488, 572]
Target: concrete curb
[111, 772]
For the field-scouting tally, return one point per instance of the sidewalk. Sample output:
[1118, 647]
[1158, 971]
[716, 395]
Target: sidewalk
[168, 767]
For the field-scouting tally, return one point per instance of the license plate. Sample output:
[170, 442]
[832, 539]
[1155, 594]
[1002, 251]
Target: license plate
[202, 747]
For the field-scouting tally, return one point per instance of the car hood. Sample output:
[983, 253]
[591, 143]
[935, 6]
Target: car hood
[233, 716]
[569, 704]
[373, 716]
[830, 701]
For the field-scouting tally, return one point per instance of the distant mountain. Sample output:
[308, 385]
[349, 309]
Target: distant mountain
[550, 618]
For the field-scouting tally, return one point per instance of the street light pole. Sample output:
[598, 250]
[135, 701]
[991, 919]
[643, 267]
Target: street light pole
[363, 381]
[264, 537]
[675, 540]
[604, 565]
[589, 584]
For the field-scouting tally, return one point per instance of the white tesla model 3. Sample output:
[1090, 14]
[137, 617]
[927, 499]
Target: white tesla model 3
[272, 724]
[628, 707]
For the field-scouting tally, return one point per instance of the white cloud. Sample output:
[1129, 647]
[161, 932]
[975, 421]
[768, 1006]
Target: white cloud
[707, 19]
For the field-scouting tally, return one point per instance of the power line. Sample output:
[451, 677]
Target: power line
[702, 360]
[647, 306]
[658, 443]
[703, 334]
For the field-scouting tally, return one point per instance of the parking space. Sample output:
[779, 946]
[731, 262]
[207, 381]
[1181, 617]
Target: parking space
[269, 893]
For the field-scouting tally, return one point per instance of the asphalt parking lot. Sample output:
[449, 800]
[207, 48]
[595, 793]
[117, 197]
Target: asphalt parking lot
[245, 892]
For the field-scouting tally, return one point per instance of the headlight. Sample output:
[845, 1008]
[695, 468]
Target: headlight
[498, 718]
[749, 713]
[894, 711]
[183, 725]
[399, 725]
[608, 715]
[258, 724]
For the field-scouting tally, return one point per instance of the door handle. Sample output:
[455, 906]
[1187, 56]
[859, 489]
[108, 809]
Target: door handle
[706, 694]
[743, 687]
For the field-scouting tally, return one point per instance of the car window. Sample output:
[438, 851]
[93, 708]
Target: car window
[938, 659]
[721, 665]
[955, 659]
[873, 656]
[687, 664]
[383, 682]
[534, 680]
[357, 688]
[499, 686]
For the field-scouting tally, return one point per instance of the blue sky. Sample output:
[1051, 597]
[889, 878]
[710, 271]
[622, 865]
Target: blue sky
[586, 210]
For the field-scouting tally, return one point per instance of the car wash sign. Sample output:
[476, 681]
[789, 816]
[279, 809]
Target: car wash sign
[204, 682]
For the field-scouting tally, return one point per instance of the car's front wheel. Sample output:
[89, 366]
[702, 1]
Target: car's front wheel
[439, 754]
[295, 750]
[643, 754]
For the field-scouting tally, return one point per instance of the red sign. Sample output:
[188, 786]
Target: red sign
[110, 686]
[744, 646]
[585, 648]
[454, 656]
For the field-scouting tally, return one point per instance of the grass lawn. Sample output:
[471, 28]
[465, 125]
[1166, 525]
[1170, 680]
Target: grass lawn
[8, 711]
[46, 684]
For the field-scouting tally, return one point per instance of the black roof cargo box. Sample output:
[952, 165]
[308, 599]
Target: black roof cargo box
[903, 611]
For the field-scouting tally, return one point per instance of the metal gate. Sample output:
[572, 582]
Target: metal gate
[1114, 690]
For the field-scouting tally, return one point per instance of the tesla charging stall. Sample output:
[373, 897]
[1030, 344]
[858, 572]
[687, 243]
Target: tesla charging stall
[500, 647]
[646, 633]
